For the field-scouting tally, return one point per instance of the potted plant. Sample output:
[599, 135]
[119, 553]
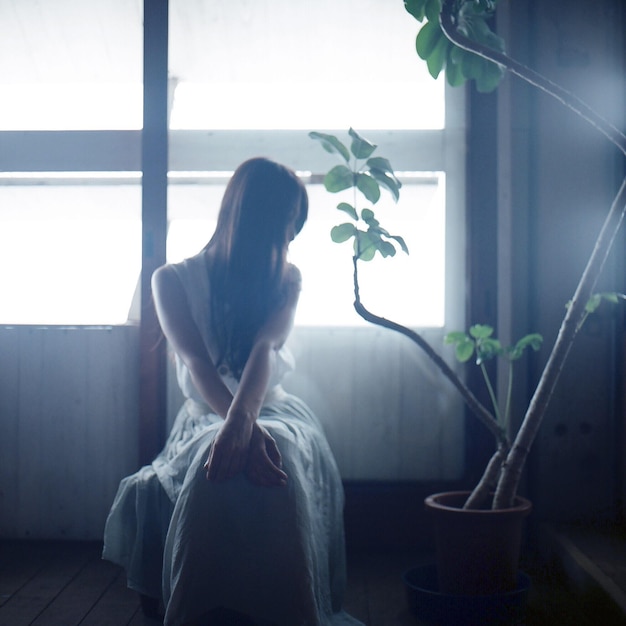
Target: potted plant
[456, 37]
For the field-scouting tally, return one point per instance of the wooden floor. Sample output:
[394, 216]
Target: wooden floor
[67, 584]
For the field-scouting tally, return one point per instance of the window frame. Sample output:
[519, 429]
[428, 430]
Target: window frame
[45, 155]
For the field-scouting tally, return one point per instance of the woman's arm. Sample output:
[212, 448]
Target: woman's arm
[182, 333]
[228, 456]
[270, 338]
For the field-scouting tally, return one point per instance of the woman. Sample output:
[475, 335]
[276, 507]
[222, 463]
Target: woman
[241, 513]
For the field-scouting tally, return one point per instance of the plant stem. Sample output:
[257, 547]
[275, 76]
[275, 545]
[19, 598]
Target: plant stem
[512, 469]
[492, 395]
[488, 480]
[446, 21]
[509, 479]
[509, 392]
[472, 402]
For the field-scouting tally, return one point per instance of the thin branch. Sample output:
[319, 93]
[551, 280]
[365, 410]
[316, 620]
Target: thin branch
[492, 393]
[511, 472]
[472, 402]
[565, 339]
[446, 21]
[488, 480]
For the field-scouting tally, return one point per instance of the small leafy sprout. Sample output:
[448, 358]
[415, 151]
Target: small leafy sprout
[481, 342]
[595, 301]
[366, 174]
[439, 53]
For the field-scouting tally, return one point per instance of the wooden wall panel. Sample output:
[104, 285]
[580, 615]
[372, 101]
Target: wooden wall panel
[68, 416]
[387, 414]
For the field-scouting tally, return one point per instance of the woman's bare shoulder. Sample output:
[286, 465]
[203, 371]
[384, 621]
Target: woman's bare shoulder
[164, 273]
[172, 271]
[166, 283]
[293, 276]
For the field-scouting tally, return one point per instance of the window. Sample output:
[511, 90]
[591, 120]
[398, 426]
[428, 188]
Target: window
[285, 64]
[228, 103]
[326, 266]
[69, 253]
[70, 229]
[247, 79]
[325, 65]
[69, 65]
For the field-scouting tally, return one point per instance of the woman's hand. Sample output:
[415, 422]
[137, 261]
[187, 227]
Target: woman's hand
[264, 465]
[230, 449]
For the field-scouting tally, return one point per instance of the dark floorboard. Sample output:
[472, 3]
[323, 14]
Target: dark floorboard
[67, 584]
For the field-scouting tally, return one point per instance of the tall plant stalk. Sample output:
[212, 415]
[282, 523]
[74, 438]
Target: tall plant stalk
[479, 410]
[504, 469]
[512, 467]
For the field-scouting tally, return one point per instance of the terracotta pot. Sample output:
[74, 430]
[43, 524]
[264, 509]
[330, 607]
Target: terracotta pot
[477, 550]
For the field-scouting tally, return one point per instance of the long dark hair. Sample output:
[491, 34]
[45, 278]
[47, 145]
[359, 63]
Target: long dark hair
[247, 269]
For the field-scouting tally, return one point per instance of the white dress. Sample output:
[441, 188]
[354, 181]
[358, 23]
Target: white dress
[275, 554]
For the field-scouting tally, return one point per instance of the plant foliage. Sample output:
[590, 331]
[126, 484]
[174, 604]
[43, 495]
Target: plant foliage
[480, 341]
[366, 174]
[472, 20]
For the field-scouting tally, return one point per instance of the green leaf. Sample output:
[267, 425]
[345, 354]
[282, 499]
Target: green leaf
[481, 331]
[391, 184]
[386, 249]
[437, 59]
[361, 148]
[368, 187]
[596, 299]
[471, 64]
[427, 39]
[432, 10]
[331, 144]
[490, 76]
[612, 296]
[464, 345]
[486, 5]
[342, 232]
[367, 215]
[464, 350]
[417, 8]
[487, 349]
[533, 340]
[338, 178]
[364, 248]
[349, 209]
[454, 71]
[455, 336]
[593, 303]
[472, 22]
[401, 242]
[380, 163]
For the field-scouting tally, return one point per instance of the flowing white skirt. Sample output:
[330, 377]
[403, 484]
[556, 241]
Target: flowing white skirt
[276, 554]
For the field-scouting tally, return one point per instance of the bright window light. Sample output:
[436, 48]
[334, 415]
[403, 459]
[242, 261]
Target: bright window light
[80, 106]
[69, 254]
[282, 64]
[408, 289]
[281, 105]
